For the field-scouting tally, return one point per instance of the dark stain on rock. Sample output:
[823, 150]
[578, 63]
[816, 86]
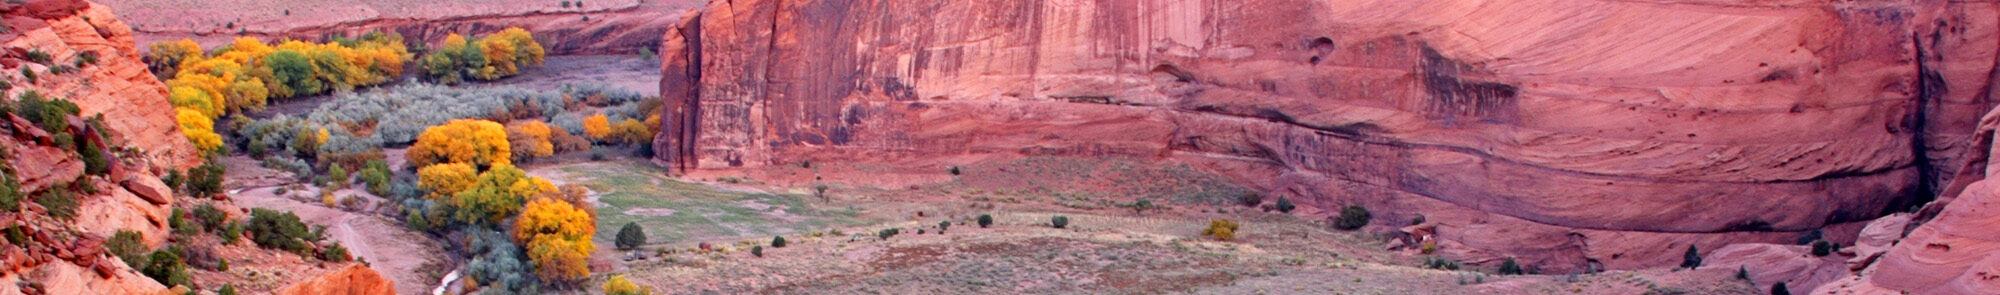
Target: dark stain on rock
[1453, 97]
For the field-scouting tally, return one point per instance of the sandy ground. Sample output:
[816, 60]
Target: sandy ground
[407, 257]
[624, 71]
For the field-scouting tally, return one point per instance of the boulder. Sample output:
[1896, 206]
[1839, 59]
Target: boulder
[149, 188]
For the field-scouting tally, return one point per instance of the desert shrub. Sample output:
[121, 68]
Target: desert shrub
[497, 262]
[10, 193]
[1743, 273]
[943, 225]
[231, 232]
[1221, 229]
[778, 242]
[1821, 248]
[29, 74]
[1780, 289]
[182, 224]
[36, 55]
[757, 250]
[954, 171]
[630, 236]
[885, 234]
[1285, 205]
[205, 180]
[376, 176]
[634, 132]
[166, 266]
[478, 142]
[618, 285]
[336, 177]
[1059, 221]
[86, 58]
[277, 230]
[1434, 262]
[335, 253]
[985, 220]
[1352, 217]
[1510, 267]
[1691, 259]
[49, 114]
[1809, 237]
[1249, 200]
[60, 203]
[129, 246]
[227, 289]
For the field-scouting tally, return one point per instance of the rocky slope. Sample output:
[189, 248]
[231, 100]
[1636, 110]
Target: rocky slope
[1573, 133]
[1956, 252]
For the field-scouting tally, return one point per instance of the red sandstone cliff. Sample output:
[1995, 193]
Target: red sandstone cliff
[1958, 251]
[355, 279]
[1570, 132]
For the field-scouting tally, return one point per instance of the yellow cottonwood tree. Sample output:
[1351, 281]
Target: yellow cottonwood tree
[558, 238]
[199, 129]
[476, 142]
[446, 179]
[498, 194]
[531, 139]
[597, 127]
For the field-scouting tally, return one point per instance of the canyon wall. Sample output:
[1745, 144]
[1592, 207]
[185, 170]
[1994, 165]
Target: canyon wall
[1570, 133]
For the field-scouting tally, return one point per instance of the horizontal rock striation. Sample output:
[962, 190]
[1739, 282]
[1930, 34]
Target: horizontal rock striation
[1572, 133]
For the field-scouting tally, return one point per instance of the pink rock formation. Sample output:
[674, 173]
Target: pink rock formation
[1958, 252]
[355, 279]
[1568, 132]
[1770, 264]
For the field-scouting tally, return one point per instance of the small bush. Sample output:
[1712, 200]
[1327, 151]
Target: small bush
[1434, 262]
[1691, 259]
[59, 201]
[277, 230]
[27, 73]
[1780, 289]
[205, 180]
[335, 253]
[129, 246]
[166, 267]
[1059, 221]
[1352, 217]
[1821, 248]
[1221, 229]
[182, 224]
[227, 289]
[376, 175]
[985, 220]
[1285, 205]
[1249, 200]
[885, 234]
[39, 56]
[618, 285]
[943, 225]
[10, 193]
[778, 242]
[1510, 267]
[231, 233]
[1743, 273]
[954, 171]
[630, 236]
[211, 219]
[757, 250]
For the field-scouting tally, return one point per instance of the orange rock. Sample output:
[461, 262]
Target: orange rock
[354, 279]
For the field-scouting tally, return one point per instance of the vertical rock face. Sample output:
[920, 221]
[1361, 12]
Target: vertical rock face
[1572, 133]
[1958, 252]
[118, 86]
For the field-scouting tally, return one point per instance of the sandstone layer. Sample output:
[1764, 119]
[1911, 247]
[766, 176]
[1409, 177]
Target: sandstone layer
[595, 27]
[1571, 133]
[355, 279]
[1958, 252]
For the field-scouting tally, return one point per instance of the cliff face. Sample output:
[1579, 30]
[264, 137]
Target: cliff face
[1957, 252]
[1569, 132]
[66, 256]
[355, 279]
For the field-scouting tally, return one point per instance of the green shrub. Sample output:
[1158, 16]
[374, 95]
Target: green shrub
[1510, 267]
[376, 176]
[1435, 262]
[222, 265]
[1691, 259]
[227, 289]
[52, 115]
[205, 180]
[954, 171]
[181, 224]
[335, 253]
[1059, 221]
[94, 161]
[166, 267]
[59, 201]
[778, 242]
[943, 225]
[1821, 248]
[885, 234]
[1352, 217]
[630, 236]
[1743, 273]
[211, 218]
[985, 220]
[10, 193]
[86, 58]
[757, 250]
[28, 73]
[1285, 205]
[129, 246]
[1780, 289]
[231, 233]
[336, 177]
[39, 56]
[277, 230]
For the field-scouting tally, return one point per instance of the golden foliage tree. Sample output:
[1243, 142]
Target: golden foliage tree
[619, 285]
[198, 129]
[632, 132]
[597, 127]
[531, 139]
[498, 194]
[558, 238]
[446, 179]
[476, 142]
[164, 58]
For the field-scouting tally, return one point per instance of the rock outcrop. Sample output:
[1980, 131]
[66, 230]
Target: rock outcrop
[139, 140]
[355, 279]
[1572, 133]
[603, 27]
[1957, 252]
